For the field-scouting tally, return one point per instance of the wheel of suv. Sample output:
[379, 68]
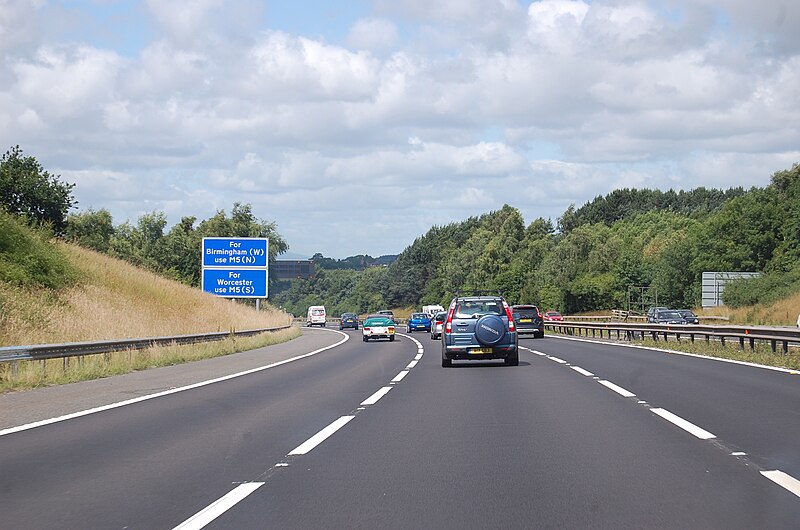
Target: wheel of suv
[512, 359]
[391, 339]
[490, 329]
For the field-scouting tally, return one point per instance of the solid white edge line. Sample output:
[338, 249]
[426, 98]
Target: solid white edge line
[376, 396]
[581, 371]
[683, 424]
[73, 415]
[618, 389]
[411, 365]
[784, 480]
[686, 354]
[218, 507]
[556, 359]
[321, 436]
[399, 377]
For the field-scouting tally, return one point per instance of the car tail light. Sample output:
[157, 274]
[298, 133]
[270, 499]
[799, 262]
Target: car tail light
[511, 326]
[391, 328]
[448, 327]
[366, 329]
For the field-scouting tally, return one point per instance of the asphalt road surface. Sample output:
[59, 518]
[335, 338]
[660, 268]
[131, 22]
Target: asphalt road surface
[379, 435]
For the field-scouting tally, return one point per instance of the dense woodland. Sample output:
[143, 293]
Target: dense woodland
[660, 240]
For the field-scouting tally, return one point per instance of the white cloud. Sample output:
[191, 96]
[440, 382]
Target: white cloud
[373, 34]
[431, 110]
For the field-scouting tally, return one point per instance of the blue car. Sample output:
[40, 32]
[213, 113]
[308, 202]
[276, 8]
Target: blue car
[419, 322]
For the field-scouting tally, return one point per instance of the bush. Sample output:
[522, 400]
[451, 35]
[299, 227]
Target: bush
[29, 259]
[762, 290]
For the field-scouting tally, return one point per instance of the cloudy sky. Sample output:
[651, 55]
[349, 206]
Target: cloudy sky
[357, 125]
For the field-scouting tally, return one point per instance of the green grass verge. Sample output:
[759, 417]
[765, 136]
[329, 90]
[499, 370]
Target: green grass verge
[35, 374]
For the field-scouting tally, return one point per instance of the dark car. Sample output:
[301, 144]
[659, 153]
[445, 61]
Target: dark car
[348, 320]
[437, 324]
[652, 313]
[689, 316]
[669, 316]
[418, 322]
[528, 320]
[479, 327]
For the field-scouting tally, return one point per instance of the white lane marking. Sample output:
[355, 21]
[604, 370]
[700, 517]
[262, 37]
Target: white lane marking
[683, 424]
[399, 377]
[218, 507]
[411, 365]
[739, 453]
[321, 436]
[784, 480]
[686, 354]
[556, 359]
[581, 371]
[418, 357]
[376, 396]
[81, 413]
[618, 389]
[538, 353]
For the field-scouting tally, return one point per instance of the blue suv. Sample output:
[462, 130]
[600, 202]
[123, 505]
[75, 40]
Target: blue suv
[479, 327]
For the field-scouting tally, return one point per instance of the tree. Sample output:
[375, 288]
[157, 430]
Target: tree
[27, 189]
[91, 229]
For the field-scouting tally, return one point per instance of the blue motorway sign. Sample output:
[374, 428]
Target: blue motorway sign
[235, 252]
[236, 283]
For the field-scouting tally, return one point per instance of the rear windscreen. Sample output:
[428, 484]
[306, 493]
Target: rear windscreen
[468, 309]
[525, 313]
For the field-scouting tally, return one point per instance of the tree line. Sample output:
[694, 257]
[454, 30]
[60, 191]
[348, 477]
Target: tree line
[602, 255]
[593, 259]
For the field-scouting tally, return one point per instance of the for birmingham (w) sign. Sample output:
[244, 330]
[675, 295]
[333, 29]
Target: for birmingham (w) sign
[235, 267]
[234, 252]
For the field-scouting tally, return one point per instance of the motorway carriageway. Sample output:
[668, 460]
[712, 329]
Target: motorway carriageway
[329, 432]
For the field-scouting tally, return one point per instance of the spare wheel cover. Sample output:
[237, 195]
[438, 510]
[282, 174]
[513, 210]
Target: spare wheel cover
[489, 330]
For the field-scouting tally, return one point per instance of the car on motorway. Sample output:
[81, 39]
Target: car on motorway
[377, 327]
[652, 313]
[418, 322]
[479, 327]
[528, 319]
[553, 316]
[669, 316]
[437, 324]
[348, 320]
[689, 316]
[316, 316]
[386, 313]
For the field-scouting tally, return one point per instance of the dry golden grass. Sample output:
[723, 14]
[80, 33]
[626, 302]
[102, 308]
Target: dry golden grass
[118, 300]
[781, 313]
[58, 371]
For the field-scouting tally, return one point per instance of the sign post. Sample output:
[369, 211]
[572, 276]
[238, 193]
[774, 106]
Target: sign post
[235, 267]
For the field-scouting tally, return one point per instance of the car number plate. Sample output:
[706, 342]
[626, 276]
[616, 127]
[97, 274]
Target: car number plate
[481, 350]
[525, 320]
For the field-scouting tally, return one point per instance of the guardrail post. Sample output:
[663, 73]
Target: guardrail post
[722, 340]
[14, 369]
[785, 347]
[741, 343]
[773, 344]
[752, 344]
[66, 364]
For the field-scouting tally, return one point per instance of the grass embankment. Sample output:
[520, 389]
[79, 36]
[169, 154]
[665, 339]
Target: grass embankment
[780, 313]
[54, 292]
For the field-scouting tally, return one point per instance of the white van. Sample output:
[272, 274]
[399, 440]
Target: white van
[316, 316]
[432, 309]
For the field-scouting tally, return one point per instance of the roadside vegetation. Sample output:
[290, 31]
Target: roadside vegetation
[594, 258]
[52, 291]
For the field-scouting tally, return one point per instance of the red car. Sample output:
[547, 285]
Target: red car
[553, 316]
